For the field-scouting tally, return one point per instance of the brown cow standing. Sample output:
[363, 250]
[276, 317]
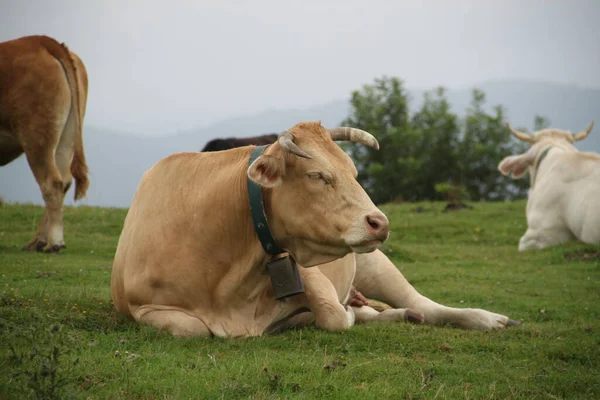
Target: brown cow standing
[43, 95]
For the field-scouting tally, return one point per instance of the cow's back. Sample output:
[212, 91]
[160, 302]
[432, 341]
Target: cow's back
[583, 193]
[568, 189]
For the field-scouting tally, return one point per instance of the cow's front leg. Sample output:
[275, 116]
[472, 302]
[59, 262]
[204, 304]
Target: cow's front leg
[364, 313]
[322, 299]
[377, 278]
[369, 314]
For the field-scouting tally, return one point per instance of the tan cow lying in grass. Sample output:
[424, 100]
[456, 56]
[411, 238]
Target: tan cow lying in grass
[564, 201]
[189, 259]
[43, 94]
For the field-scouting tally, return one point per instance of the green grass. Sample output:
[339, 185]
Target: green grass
[56, 318]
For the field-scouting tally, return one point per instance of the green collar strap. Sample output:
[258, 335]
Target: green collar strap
[261, 225]
[542, 156]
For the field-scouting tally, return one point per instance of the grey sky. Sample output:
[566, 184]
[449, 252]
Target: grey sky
[157, 67]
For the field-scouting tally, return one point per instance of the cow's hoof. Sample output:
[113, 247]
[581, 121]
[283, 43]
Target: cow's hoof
[357, 299]
[35, 245]
[414, 316]
[55, 248]
[512, 322]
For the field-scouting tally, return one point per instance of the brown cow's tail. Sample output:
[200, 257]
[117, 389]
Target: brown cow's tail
[79, 168]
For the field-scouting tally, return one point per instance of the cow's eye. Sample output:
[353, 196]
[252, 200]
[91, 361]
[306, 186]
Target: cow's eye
[318, 175]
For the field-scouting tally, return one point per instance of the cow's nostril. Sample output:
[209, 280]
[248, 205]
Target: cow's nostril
[373, 223]
[378, 225]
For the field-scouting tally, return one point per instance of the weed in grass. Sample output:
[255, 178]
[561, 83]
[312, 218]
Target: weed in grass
[41, 363]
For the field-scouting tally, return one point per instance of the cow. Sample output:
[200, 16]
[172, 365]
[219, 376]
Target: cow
[43, 95]
[356, 298]
[564, 198]
[192, 261]
[232, 142]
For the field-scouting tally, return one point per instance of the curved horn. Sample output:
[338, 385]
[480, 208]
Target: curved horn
[286, 140]
[582, 135]
[354, 135]
[520, 135]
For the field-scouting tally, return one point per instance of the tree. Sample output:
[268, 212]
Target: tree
[485, 142]
[438, 138]
[382, 110]
[540, 123]
[433, 154]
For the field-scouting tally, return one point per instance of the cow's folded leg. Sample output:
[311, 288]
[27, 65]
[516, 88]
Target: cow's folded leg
[322, 300]
[535, 239]
[368, 314]
[377, 278]
[172, 320]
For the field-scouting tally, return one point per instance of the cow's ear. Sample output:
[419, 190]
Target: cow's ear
[516, 164]
[267, 171]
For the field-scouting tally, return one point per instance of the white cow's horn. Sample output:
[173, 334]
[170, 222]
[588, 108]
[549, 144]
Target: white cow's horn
[520, 135]
[354, 135]
[582, 135]
[286, 140]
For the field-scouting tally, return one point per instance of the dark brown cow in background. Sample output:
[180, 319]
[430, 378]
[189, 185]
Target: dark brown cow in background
[43, 95]
[230, 143]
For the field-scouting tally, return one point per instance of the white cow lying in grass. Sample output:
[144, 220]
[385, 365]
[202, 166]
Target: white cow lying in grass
[564, 201]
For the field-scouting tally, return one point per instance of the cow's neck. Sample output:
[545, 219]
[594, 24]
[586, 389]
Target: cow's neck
[259, 217]
[282, 268]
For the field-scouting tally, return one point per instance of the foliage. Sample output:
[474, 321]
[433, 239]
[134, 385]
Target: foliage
[382, 109]
[430, 147]
[40, 363]
[458, 259]
[452, 193]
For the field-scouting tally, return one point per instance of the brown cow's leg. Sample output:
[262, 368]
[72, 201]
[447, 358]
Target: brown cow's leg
[49, 236]
[63, 157]
[172, 320]
[368, 314]
[40, 239]
[376, 277]
[47, 143]
[322, 300]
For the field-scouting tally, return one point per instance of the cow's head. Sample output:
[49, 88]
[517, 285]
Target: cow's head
[541, 140]
[316, 208]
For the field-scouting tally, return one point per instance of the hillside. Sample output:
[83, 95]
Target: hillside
[117, 160]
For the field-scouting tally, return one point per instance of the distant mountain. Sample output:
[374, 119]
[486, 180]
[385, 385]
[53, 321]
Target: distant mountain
[118, 160]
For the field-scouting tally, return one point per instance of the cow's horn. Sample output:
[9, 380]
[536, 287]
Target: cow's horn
[354, 135]
[286, 140]
[520, 135]
[582, 135]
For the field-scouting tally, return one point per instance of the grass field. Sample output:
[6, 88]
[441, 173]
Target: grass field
[59, 335]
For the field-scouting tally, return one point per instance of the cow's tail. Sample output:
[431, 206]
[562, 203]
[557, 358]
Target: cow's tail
[79, 168]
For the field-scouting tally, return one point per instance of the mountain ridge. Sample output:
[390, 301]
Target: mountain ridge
[117, 160]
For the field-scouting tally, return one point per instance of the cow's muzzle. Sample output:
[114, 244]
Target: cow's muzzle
[376, 230]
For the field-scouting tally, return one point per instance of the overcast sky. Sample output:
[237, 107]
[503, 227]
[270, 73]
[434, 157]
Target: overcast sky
[159, 66]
